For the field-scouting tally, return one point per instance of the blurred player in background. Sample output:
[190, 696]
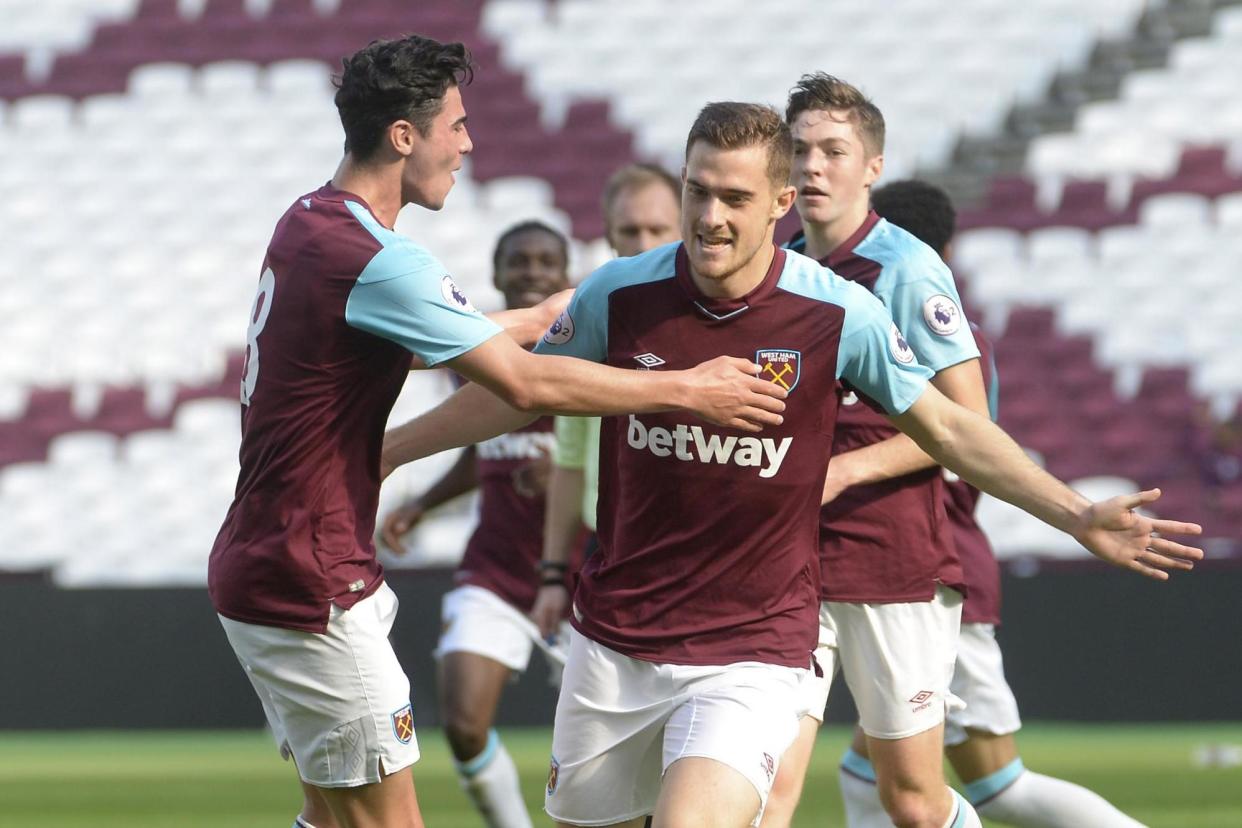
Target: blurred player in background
[487, 636]
[695, 620]
[979, 739]
[642, 210]
[342, 303]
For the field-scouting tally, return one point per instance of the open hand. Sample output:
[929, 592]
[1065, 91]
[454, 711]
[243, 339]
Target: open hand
[1116, 533]
[726, 391]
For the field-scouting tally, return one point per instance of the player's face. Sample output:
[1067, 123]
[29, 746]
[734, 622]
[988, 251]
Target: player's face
[728, 208]
[428, 174]
[831, 169]
[641, 218]
[532, 268]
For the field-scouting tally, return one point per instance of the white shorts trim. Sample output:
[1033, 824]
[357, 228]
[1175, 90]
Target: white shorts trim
[897, 660]
[979, 680]
[337, 701]
[621, 722]
[477, 620]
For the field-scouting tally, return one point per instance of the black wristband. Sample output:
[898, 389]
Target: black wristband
[552, 582]
[552, 566]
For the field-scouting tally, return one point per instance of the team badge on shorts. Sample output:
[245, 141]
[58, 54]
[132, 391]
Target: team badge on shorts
[779, 366]
[554, 774]
[454, 295]
[403, 724]
[942, 315]
[562, 330]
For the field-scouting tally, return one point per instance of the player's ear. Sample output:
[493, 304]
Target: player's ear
[402, 137]
[783, 202]
[875, 166]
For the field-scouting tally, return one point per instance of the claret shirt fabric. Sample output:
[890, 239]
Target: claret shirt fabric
[890, 542]
[708, 535]
[342, 303]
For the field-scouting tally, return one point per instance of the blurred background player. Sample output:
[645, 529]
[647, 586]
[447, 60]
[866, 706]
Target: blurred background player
[891, 579]
[486, 635]
[641, 205]
[694, 626]
[979, 739]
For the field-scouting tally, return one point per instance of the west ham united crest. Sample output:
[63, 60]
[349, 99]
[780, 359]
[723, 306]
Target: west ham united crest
[781, 366]
[403, 724]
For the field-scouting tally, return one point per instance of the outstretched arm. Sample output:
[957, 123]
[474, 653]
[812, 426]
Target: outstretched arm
[984, 455]
[723, 391]
[523, 325]
[900, 455]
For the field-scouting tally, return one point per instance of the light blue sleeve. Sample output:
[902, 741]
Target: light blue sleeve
[922, 297]
[582, 330]
[875, 358]
[407, 297]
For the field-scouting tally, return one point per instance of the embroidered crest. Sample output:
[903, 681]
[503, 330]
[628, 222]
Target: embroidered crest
[403, 724]
[780, 366]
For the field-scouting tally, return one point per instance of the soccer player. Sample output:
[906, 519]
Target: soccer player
[342, 303]
[642, 210]
[979, 739]
[891, 580]
[695, 620]
[487, 636]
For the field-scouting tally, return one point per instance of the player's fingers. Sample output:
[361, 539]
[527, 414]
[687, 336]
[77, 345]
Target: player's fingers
[1133, 501]
[394, 527]
[1173, 549]
[744, 425]
[773, 389]
[760, 418]
[1175, 527]
[1143, 569]
[1151, 557]
[761, 396]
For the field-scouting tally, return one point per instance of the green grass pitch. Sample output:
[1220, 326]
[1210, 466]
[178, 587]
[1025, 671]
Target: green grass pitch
[235, 779]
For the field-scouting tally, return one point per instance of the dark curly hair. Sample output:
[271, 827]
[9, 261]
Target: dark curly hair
[921, 209]
[394, 80]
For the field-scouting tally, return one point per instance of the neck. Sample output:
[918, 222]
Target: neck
[822, 239]
[379, 185]
[741, 281]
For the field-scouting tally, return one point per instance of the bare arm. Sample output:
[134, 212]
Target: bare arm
[462, 477]
[561, 525]
[723, 391]
[984, 455]
[523, 325]
[900, 455]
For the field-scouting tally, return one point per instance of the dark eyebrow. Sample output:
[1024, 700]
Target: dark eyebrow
[725, 193]
[461, 121]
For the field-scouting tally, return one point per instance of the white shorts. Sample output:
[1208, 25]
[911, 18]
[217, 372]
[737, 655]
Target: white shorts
[477, 620]
[979, 680]
[337, 701]
[621, 722]
[897, 660]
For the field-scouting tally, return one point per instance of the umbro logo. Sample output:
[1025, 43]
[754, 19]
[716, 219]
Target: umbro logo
[306, 202]
[648, 361]
[922, 700]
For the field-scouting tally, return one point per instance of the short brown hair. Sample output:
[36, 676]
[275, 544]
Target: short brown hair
[634, 176]
[732, 125]
[820, 90]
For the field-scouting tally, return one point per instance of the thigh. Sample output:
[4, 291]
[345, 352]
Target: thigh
[390, 801]
[743, 718]
[898, 660]
[340, 698]
[478, 621]
[607, 737]
[704, 792]
[979, 681]
[470, 687]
